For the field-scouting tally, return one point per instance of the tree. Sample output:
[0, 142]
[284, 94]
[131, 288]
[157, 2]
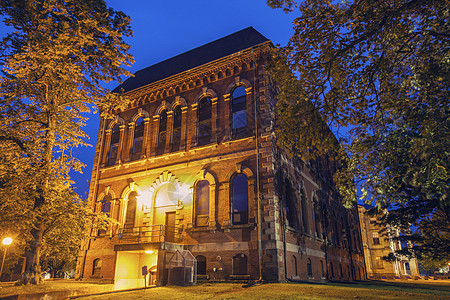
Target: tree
[379, 70]
[52, 66]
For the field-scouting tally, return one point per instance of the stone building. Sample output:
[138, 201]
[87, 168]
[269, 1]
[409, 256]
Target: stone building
[378, 242]
[192, 164]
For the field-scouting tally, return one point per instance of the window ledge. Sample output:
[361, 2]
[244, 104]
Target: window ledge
[238, 226]
[247, 138]
[200, 229]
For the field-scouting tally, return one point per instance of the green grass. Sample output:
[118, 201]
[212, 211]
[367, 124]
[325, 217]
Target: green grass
[363, 290]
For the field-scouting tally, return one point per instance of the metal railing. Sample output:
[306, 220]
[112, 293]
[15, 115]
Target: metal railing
[150, 233]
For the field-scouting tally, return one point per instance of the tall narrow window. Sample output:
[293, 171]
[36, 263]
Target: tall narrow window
[240, 264]
[290, 206]
[294, 262]
[202, 203]
[304, 211]
[317, 218]
[204, 121]
[239, 112]
[96, 267]
[176, 132]
[201, 265]
[162, 132]
[131, 210]
[106, 209]
[240, 199]
[321, 268]
[309, 267]
[114, 145]
[138, 139]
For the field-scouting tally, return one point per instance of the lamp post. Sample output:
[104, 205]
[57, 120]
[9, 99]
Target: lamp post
[6, 241]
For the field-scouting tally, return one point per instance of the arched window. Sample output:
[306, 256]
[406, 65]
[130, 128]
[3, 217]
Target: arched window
[309, 267]
[162, 131]
[204, 121]
[114, 145]
[201, 265]
[304, 211]
[239, 112]
[202, 203]
[240, 199]
[294, 262]
[138, 139]
[290, 206]
[176, 132]
[131, 210]
[106, 209]
[96, 267]
[317, 218]
[240, 264]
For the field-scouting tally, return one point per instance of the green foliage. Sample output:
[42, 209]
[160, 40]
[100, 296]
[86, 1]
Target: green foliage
[52, 66]
[380, 71]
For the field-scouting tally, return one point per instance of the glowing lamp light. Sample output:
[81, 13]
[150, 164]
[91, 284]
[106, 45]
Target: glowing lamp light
[149, 251]
[7, 241]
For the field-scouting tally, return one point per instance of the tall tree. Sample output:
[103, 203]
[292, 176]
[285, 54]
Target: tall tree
[52, 63]
[380, 70]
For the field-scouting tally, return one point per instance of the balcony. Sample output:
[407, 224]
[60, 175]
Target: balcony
[150, 234]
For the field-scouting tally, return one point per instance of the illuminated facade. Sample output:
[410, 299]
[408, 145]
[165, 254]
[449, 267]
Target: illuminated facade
[378, 242]
[192, 163]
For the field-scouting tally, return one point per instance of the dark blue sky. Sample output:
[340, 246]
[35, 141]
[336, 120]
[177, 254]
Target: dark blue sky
[163, 29]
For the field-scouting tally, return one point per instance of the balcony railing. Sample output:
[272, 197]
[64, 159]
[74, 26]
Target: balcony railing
[150, 233]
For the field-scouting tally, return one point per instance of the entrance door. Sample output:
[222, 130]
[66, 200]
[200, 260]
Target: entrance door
[170, 227]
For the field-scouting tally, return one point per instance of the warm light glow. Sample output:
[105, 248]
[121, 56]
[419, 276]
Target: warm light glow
[149, 251]
[7, 241]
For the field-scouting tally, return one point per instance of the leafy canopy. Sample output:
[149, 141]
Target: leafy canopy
[53, 63]
[378, 73]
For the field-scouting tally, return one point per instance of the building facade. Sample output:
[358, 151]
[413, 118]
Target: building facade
[192, 165]
[378, 242]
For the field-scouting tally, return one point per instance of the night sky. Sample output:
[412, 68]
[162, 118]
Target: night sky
[163, 29]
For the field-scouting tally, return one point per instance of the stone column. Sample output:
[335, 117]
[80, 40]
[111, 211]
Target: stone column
[106, 146]
[227, 117]
[146, 138]
[121, 141]
[212, 206]
[194, 126]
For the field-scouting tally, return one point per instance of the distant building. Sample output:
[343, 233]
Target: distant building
[192, 167]
[378, 242]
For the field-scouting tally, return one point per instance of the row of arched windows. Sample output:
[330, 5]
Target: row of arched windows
[204, 126]
[239, 203]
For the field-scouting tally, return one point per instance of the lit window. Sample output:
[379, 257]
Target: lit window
[240, 199]
[131, 210]
[106, 209]
[162, 132]
[202, 203]
[138, 139]
[204, 121]
[96, 267]
[176, 132]
[114, 145]
[375, 238]
[239, 112]
[240, 264]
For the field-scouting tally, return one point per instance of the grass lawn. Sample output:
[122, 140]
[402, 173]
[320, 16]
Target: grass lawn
[370, 290]
[439, 289]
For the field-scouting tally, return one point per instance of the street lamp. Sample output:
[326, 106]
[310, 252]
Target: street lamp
[6, 241]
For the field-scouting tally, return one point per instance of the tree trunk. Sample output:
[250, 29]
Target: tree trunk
[32, 274]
